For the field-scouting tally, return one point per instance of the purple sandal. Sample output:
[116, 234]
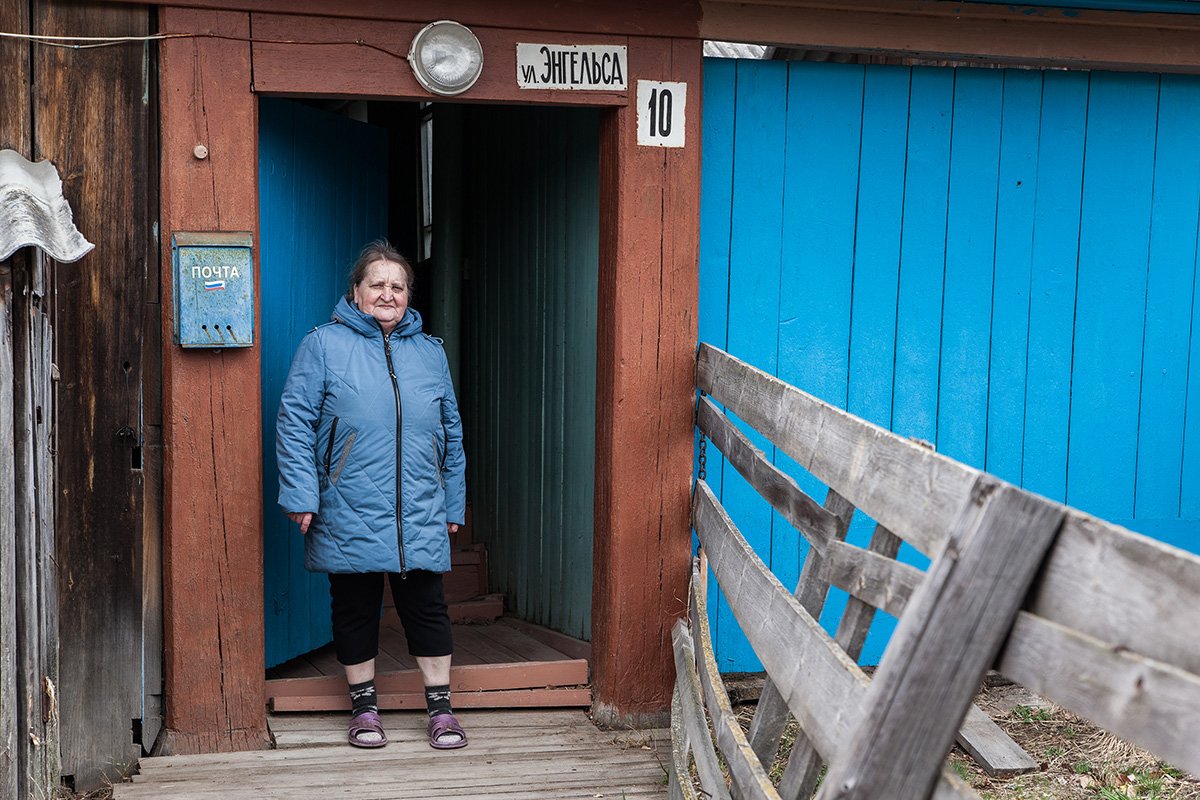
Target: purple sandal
[366, 722]
[443, 725]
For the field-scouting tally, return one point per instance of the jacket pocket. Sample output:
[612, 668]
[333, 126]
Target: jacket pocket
[341, 464]
[438, 463]
[329, 445]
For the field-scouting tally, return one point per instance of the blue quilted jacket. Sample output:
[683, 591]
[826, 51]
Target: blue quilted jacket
[381, 501]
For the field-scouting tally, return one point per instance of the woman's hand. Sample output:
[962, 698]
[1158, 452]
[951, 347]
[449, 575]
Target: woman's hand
[452, 527]
[301, 518]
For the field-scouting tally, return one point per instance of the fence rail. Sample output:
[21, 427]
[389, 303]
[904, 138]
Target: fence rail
[1016, 582]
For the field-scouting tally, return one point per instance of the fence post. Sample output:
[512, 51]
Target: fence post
[950, 633]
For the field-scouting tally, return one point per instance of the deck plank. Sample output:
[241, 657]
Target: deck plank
[513, 755]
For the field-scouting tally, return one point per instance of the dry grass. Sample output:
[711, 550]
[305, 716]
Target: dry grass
[1077, 761]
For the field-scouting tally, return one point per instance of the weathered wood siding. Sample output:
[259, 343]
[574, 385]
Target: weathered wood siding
[90, 579]
[529, 379]
[15, 131]
[999, 262]
[106, 318]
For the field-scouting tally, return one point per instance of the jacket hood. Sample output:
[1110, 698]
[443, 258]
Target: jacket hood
[348, 314]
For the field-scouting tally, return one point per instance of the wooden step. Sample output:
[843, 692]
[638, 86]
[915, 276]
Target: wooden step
[496, 665]
[487, 608]
[467, 578]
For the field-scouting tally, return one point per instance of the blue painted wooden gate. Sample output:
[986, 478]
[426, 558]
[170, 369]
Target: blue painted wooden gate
[1000, 262]
[322, 195]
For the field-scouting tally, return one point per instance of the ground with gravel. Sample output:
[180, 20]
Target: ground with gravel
[1076, 760]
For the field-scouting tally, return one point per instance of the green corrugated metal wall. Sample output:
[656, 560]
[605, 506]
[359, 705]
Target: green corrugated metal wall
[530, 248]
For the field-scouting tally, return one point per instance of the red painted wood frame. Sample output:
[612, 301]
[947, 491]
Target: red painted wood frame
[647, 300]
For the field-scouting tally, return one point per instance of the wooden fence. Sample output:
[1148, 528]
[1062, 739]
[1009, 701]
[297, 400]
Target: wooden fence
[1097, 619]
[29, 730]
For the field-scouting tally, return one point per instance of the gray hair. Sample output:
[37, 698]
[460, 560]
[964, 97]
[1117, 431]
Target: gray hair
[379, 250]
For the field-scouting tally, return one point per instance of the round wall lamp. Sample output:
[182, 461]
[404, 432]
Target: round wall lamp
[446, 57]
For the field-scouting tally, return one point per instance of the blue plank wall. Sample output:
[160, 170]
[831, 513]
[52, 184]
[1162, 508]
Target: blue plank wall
[1000, 262]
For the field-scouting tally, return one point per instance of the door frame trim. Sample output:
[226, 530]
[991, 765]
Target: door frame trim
[213, 504]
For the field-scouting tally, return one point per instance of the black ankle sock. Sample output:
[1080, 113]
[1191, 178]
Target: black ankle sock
[437, 699]
[363, 698]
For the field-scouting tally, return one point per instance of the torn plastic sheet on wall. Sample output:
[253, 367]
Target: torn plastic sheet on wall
[33, 211]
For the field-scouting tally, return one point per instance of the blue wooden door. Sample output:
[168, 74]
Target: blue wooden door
[999, 262]
[322, 194]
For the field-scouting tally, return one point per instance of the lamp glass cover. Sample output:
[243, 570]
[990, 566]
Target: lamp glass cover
[446, 57]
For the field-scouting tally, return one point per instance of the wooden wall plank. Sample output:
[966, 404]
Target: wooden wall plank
[1189, 480]
[882, 174]
[716, 257]
[632, 17]
[554, 202]
[824, 128]
[15, 134]
[1052, 283]
[970, 245]
[582, 246]
[1111, 293]
[92, 104]
[645, 392]
[922, 254]
[16, 128]
[1062, 38]
[37, 744]
[212, 561]
[1170, 278]
[821, 177]
[12, 778]
[1017, 185]
[756, 236]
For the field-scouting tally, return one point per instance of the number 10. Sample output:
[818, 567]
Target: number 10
[660, 112]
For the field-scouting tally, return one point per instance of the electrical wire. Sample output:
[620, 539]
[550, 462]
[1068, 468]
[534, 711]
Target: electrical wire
[90, 42]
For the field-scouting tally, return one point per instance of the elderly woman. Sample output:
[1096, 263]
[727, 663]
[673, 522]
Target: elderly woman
[371, 468]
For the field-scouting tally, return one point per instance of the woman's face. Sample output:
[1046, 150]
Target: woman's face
[383, 293]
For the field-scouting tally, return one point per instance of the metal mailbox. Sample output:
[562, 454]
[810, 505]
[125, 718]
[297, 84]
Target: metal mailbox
[214, 289]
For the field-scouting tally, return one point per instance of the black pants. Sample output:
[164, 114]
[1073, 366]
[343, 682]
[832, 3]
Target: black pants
[357, 598]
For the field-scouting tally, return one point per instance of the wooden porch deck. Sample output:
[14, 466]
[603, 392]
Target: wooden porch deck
[507, 663]
[513, 754]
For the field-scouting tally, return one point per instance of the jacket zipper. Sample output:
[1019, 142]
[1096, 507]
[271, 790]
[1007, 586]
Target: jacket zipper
[387, 352]
[441, 468]
[329, 447]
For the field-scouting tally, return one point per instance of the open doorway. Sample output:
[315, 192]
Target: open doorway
[498, 209]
